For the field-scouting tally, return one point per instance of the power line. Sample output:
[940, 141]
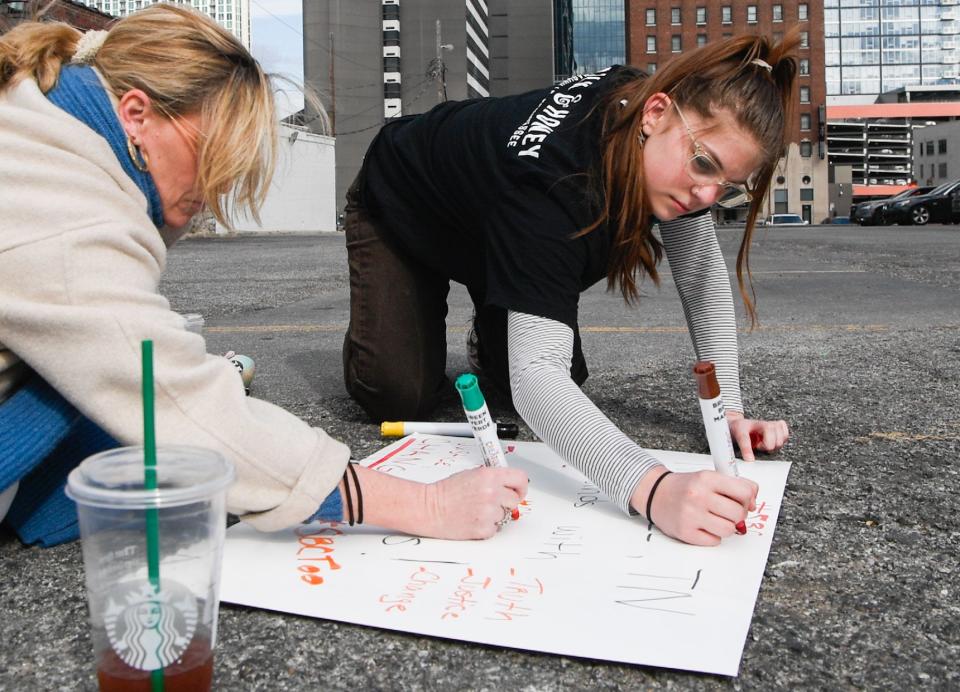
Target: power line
[423, 88]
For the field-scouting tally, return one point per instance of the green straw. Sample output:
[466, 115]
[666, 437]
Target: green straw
[150, 483]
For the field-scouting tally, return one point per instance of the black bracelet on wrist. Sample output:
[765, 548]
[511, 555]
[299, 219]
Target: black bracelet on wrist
[348, 498]
[653, 489]
[356, 486]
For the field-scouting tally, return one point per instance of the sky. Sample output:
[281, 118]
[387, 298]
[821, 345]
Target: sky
[276, 28]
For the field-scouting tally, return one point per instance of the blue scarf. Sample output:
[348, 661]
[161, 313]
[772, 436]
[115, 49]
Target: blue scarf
[80, 93]
[42, 438]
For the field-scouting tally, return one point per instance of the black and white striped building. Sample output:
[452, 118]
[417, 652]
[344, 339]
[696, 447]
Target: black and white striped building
[478, 48]
[372, 61]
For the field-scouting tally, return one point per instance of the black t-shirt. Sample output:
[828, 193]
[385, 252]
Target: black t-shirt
[491, 193]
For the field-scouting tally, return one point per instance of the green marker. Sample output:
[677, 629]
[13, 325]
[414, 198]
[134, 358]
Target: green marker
[478, 415]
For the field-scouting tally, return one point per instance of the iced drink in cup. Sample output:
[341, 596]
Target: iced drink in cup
[137, 628]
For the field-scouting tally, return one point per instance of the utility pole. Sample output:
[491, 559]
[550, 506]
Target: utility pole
[333, 91]
[437, 69]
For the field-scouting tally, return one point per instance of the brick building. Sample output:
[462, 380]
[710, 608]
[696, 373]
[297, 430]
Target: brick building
[659, 29]
[73, 13]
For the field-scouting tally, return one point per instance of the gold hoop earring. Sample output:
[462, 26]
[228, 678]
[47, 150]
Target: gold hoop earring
[139, 159]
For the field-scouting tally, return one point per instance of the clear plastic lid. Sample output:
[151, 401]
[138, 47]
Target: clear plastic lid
[115, 478]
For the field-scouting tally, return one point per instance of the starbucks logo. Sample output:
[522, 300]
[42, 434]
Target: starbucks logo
[149, 629]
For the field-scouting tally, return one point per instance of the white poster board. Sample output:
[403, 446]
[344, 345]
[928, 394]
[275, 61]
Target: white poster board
[573, 576]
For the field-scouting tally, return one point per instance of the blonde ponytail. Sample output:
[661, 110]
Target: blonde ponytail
[187, 64]
[37, 51]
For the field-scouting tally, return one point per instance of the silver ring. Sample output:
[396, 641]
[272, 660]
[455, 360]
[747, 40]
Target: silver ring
[507, 513]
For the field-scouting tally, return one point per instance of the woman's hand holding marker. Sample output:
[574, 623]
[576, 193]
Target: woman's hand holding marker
[749, 434]
[699, 508]
[473, 504]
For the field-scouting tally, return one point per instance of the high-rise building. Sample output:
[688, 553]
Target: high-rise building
[373, 61]
[659, 29]
[376, 60]
[891, 69]
[876, 46]
[531, 44]
[232, 15]
[599, 34]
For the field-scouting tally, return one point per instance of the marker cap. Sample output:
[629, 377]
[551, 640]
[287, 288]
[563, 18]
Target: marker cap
[391, 429]
[469, 391]
[707, 385]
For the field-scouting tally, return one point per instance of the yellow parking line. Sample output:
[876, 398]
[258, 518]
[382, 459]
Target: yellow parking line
[589, 329]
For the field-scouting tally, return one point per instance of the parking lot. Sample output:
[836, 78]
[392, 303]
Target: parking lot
[858, 348]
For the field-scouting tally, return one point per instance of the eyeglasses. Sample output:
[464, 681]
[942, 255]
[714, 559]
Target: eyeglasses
[704, 170]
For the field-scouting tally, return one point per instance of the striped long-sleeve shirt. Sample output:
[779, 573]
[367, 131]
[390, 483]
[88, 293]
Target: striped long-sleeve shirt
[541, 351]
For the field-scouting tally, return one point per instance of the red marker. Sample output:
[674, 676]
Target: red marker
[515, 514]
[755, 439]
[715, 422]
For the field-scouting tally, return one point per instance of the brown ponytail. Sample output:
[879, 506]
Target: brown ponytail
[718, 76]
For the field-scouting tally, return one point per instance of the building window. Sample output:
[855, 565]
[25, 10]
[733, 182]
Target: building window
[651, 44]
[651, 67]
[804, 94]
[806, 193]
[802, 11]
[674, 15]
[804, 67]
[675, 46]
[651, 17]
[701, 16]
[930, 148]
[751, 14]
[942, 146]
[942, 170]
[727, 35]
[804, 39]
[726, 14]
[921, 170]
[806, 149]
[701, 40]
[805, 121]
[778, 13]
[391, 38]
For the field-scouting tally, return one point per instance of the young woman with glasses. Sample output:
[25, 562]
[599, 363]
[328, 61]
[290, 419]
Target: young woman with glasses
[528, 201]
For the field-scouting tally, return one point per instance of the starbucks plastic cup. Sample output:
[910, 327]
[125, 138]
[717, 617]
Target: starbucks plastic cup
[137, 628]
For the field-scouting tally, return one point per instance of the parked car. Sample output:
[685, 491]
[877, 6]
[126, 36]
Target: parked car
[872, 212]
[785, 220]
[940, 205]
[839, 219]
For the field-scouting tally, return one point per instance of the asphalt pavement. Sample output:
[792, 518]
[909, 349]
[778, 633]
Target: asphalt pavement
[858, 348]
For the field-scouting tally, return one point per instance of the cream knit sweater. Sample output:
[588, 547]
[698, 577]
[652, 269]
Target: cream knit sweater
[80, 262]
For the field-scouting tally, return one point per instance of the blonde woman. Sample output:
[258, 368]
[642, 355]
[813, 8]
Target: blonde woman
[111, 142]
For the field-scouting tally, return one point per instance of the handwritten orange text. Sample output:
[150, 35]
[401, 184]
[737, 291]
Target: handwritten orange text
[516, 598]
[316, 552]
[416, 582]
[463, 596]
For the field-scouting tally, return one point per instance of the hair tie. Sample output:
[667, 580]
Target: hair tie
[762, 63]
[88, 46]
